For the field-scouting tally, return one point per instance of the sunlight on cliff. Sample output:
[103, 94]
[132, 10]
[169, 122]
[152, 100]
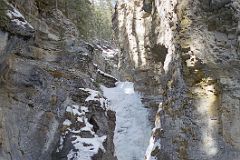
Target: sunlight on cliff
[140, 33]
[207, 108]
[133, 26]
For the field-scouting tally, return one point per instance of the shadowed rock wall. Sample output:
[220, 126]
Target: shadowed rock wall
[186, 55]
[43, 63]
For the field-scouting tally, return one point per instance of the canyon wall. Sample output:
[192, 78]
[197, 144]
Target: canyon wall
[183, 56]
[51, 106]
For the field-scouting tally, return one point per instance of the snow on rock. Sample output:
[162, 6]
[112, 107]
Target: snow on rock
[67, 122]
[94, 96]
[73, 109]
[133, 129]
[88, 126]
[153, 144]
[84, 148]
[108, 52]
[18, 18]
[105, 74]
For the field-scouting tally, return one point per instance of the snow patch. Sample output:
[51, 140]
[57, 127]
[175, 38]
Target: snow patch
[67, 122]
[105, 74]
[153, 144]
[87, 147]
[92, 93]
[73, 109]
[83, 148]
[94, 96]
[84, 109]
[88, 126]
[18, 18]
[109, 53]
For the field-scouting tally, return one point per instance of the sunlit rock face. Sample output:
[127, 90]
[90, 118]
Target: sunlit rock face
[186, 55]
[137, 26]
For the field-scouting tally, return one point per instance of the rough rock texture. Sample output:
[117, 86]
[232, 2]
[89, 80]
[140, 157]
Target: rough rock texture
[185, 53]
[42, 66]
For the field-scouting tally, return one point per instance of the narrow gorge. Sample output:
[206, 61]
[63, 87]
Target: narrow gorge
[120, 80]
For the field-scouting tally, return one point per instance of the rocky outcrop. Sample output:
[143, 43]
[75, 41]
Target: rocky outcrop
[43, 65]
[184, 54]
[87, 131]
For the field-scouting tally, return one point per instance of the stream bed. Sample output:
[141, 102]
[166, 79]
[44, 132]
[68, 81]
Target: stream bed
[133, 129]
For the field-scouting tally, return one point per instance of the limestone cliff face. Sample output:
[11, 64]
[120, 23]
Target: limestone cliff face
[45, 75]
[186, 55]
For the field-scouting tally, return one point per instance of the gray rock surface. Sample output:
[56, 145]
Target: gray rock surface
[42, 67]
[182, 55]
[185, 54]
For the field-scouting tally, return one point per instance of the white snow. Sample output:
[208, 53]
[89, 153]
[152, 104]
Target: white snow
[105, 74]
[152, 145]
[84, 148]
[92, 93]
[60, 144]
[94, 96]
[80, 119]
[16, 13]
[87, 147]
[109, 53]
[84, 109]
[67, 122]
[18, 18]
[133, 129]
[150, 148]
[88, 126]
[73, 109]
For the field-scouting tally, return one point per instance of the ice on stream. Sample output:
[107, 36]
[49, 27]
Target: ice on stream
[133, 129]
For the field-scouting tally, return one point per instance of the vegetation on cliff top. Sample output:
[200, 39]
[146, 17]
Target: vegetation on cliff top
[93, 18]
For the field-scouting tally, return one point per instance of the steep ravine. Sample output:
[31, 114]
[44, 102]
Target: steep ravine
[177, 64]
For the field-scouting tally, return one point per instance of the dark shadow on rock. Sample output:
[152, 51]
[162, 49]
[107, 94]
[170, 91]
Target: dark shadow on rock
[159, 53]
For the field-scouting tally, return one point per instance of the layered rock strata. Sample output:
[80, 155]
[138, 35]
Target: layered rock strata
[43, 66]
[184, 54]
